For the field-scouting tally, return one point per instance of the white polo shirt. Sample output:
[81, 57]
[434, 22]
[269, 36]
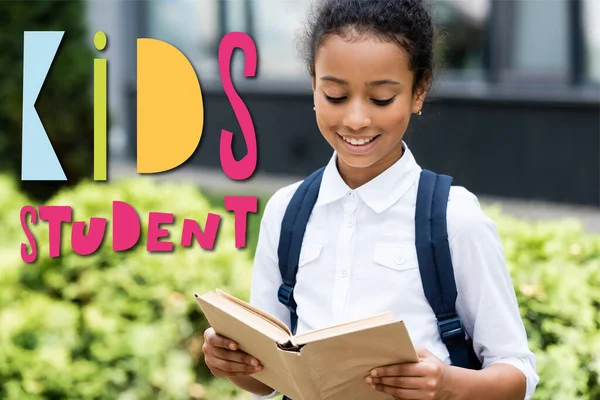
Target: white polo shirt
[359, 258]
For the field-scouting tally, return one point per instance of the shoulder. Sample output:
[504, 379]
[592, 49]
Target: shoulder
[465, 217]
[275, 209]
[281, 198]
[279, 201]
[277, 204]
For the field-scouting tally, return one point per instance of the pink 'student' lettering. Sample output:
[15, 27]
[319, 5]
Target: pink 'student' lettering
[126, 228]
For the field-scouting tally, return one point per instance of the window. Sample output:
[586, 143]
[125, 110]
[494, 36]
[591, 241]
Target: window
[276, 26]
[539, 40]
[591, 29]
[194, 28]
[463, 25]
[191, 26]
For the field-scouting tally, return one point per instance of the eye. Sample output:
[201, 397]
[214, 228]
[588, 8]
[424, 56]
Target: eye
[335, 100]
[383, 102]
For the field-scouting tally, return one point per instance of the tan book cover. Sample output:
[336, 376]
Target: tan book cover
[325, 364]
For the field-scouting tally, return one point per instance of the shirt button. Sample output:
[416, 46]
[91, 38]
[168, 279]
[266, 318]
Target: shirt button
[353, 195]
[344, 273]
[399, 260]
[350, 223]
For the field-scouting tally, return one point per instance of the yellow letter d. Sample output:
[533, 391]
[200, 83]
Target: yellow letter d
[170, 113]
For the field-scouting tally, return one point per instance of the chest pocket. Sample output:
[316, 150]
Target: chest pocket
[399, 257]
[309, 253]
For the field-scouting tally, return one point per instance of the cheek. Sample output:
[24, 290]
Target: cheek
[393, 118]
[324, 125]
[328, 116]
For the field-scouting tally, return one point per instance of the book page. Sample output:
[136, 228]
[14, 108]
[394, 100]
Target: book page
[341, 329]
[239, 313]
[256, 310]
[339, 365]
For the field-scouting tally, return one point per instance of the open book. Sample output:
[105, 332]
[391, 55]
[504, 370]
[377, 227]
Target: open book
[325, 364]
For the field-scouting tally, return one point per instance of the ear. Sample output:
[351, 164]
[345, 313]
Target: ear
[314, 83]
[419, 96]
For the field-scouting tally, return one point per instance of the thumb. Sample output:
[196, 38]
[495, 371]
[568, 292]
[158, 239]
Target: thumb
[423, 353]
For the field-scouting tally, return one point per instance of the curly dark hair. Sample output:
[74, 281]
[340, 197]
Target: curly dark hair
[407, 22]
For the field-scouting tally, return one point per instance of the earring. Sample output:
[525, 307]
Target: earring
[314, 109]
[419, 113]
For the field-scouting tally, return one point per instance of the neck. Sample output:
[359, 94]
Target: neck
[356, 177]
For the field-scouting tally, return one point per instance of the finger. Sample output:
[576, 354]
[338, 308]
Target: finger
[408, 369]
[230, 366]
[220, 373]
[425, 355]
[405, 394]
[400, 381]
[423, 352]
[223, 342]
[236, 356]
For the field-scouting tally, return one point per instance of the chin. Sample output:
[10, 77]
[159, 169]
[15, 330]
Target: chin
[354, 161]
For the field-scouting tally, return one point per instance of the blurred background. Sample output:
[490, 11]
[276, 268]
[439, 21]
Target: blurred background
[513, 115]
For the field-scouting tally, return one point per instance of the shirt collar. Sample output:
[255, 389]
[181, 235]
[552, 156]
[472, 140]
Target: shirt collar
[379, 193]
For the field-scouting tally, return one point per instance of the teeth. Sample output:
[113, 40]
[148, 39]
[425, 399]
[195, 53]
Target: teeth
[357, 142]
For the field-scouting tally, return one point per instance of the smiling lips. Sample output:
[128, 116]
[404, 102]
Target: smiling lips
[358, 145]
[358, 142]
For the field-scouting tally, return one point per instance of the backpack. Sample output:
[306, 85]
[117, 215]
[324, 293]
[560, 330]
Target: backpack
[433, 254]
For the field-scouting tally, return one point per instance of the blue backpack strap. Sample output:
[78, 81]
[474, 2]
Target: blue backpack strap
[293, 227]
[435, 265]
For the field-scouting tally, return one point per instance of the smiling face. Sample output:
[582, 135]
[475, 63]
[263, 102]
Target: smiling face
[363, 101]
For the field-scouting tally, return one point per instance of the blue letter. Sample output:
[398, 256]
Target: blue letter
[39, 161]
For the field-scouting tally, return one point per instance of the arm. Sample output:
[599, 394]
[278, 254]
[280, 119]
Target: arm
[488, 306]
[251, 385]
[496, 382]
[266, 278]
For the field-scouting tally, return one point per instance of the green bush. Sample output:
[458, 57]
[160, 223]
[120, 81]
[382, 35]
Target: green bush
[555, 268]
[125, 325]
[113, 325]
[65, 103]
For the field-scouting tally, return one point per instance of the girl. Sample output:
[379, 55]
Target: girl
[371, 63]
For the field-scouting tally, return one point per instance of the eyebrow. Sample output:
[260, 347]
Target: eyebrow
[373, 83]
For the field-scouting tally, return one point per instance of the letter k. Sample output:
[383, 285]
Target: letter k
[38, 159]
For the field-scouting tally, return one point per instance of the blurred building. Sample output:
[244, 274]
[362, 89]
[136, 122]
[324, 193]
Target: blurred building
[514, 111]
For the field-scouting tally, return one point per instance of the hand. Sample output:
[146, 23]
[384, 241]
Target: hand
[429, 379]
[224, 359]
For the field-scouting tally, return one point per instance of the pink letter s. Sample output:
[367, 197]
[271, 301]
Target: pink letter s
[31, 257]
[243, 169]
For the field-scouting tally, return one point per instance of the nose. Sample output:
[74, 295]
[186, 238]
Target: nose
[356, 117]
